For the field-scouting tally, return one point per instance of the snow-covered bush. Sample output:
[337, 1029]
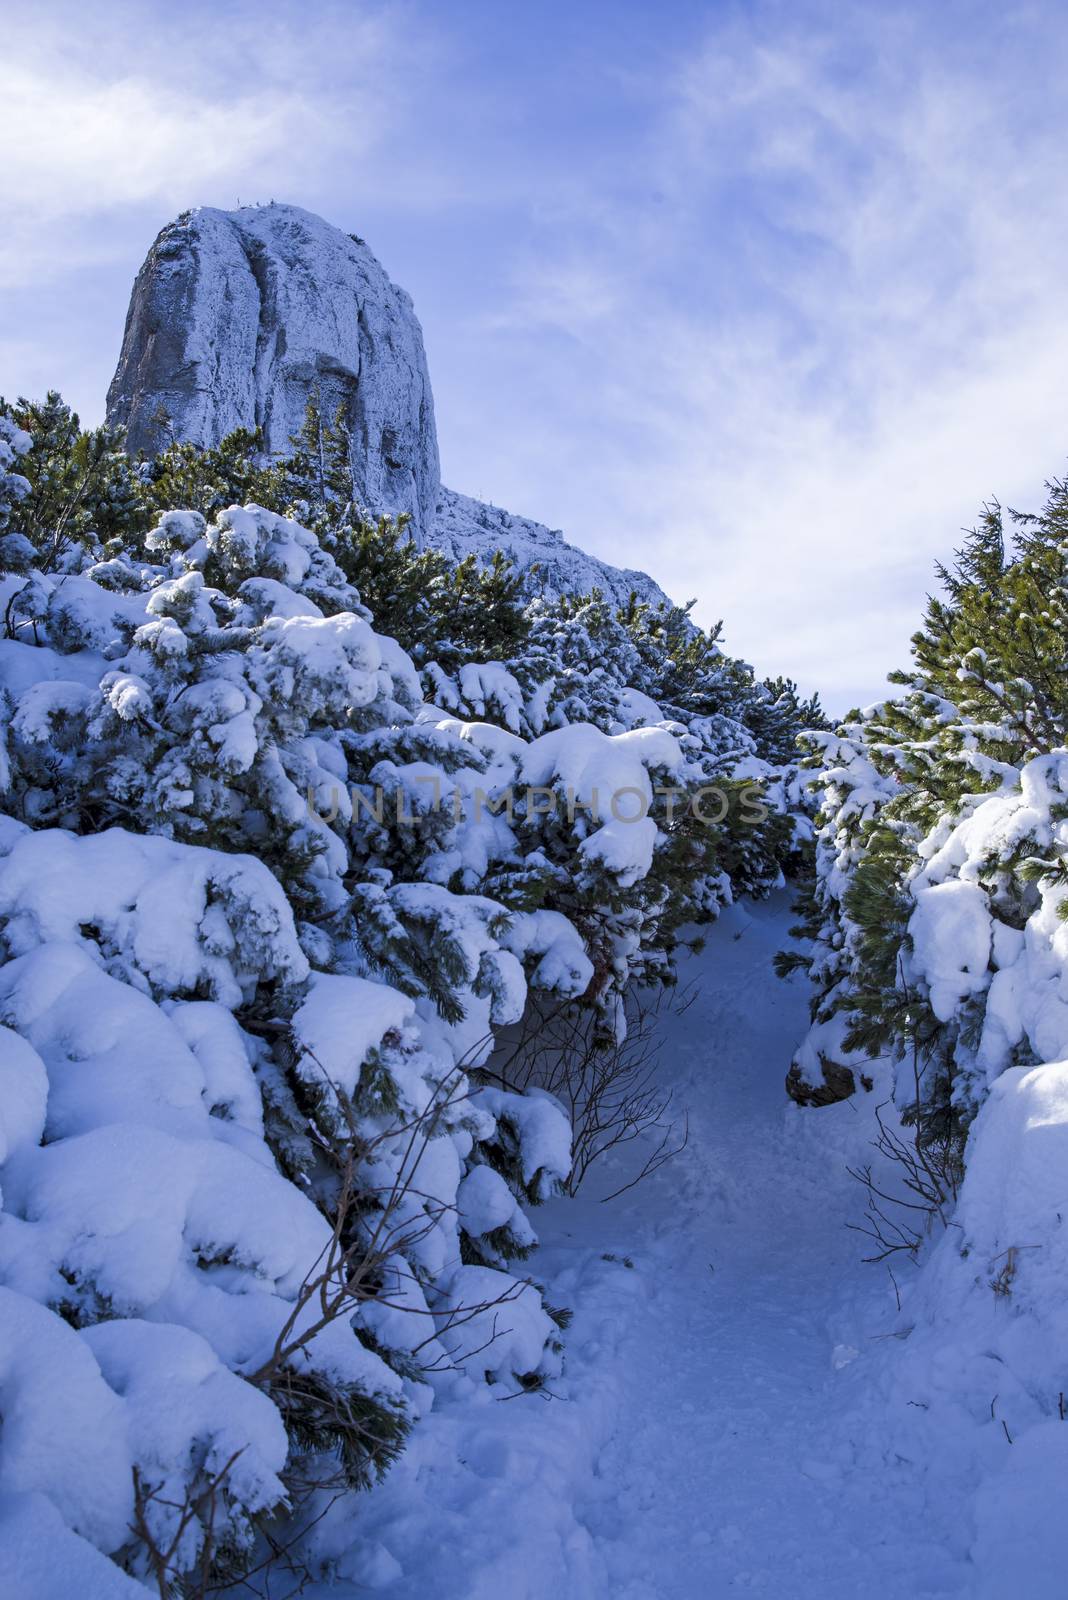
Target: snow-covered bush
[150, 1209]
[249, 1170]
[940, 847]
[81, 489]
[253, 1146]
[937, 913]
[264, 908]
[16, 553]
[583, 662]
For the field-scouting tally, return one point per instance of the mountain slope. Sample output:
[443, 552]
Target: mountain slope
[463, 525]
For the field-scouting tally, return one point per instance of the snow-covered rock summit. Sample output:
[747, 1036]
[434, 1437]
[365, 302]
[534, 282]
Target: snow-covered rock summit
[237, 316]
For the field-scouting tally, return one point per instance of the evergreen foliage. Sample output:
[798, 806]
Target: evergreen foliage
[275, 787]
[954, 784]
[82, 488]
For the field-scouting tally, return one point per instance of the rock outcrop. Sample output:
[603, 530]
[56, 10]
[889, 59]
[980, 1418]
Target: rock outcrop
[462, 525]
[237, 317]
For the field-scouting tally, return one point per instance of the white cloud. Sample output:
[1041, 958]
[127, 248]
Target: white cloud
[772, 331]
[189, 109]
[107, 144]
[842, 326]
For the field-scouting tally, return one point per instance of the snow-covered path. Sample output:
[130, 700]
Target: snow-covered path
[733, 1467]
[704, 1441]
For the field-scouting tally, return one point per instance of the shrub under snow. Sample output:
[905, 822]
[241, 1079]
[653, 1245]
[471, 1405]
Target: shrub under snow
[262, 911]
[939, 919]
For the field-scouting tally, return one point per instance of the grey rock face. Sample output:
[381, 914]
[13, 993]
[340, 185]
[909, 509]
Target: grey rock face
[237, 317]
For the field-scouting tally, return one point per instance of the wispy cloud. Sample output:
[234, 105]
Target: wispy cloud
[766, 302]
[840, 324]
[200, 106]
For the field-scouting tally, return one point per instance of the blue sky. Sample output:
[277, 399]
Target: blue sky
[764, 298]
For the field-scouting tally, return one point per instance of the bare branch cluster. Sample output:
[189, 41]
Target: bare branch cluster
[610, 1086]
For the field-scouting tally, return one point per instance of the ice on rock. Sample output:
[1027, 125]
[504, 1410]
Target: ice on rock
[236, 316]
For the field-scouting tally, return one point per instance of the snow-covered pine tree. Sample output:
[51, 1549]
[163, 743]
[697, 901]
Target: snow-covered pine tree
[82, 487]
[207, 711]
[939, 873]
[16, 552]
[231, 798]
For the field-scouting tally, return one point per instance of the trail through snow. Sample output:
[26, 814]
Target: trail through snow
[734, 1467]
[716, 1431]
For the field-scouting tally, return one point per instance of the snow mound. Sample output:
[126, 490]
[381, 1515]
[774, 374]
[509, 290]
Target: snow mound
[181, 917]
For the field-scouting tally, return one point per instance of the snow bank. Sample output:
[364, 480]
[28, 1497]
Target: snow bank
[45, 1560]
[491, 1323]
[64, 1428]
[974, 1383]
